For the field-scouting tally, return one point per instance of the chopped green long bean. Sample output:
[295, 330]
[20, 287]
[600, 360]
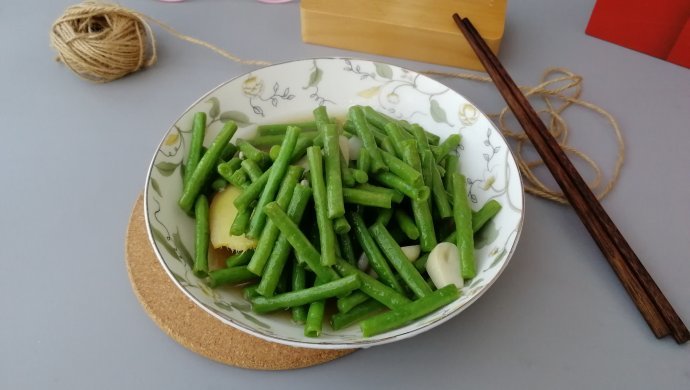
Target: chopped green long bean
[397, 258]
[367, 198]
[239, 178]
[252, 192]
[241, 222]
[403, 169]
[326, 232]
[342, 320]
[367, 137]
[395, 182]
[281, 247]
[196, 144]
[200, 268]
[395, 133]
[364, 161]
[372, 287]
[347, 248]
[410, 312]
[384, 216]
[420, 208]
[334, 180]
[203, 170]
[251, 152]
[484, 215]
[253, 170]
[303, 248]
[376, 259]
[347, 303]
[233, 275]
[396, 196]
[308, 295]
[299, 282]
[239, 258]
[462, 213]
[452, 166]
[270, 232]
[315, 314]
[277, 171]
[439, 195]
[449, 144]
[406, 224]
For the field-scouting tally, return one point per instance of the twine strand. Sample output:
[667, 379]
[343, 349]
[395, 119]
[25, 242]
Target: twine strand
[559, 89]
[104, 42]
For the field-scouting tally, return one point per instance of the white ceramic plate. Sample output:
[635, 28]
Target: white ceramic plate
[292, 90]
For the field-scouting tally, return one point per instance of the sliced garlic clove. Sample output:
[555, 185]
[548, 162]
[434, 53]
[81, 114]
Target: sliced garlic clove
[412, 252]
[354, 145]
[443, 265]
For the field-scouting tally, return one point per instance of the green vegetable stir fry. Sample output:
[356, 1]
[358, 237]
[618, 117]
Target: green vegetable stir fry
[369, 216]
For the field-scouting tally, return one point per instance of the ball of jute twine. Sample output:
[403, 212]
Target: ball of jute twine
[104, 42]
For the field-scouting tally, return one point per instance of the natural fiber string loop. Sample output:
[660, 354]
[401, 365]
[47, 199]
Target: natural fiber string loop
[103, 42]
[559, 89]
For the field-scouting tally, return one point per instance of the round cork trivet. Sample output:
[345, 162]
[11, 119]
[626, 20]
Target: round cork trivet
[192, 327]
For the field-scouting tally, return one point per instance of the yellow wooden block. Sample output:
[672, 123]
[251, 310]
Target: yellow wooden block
[413, 29]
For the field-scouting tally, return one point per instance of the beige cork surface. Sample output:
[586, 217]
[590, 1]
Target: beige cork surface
[192, 327]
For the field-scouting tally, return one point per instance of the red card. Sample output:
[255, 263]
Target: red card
[660, 28]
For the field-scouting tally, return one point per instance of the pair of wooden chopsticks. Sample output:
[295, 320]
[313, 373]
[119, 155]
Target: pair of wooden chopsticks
[651, 302]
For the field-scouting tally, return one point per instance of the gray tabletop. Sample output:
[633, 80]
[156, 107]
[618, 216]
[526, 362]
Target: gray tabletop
[74, 157]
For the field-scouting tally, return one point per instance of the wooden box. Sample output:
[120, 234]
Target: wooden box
[421, 30]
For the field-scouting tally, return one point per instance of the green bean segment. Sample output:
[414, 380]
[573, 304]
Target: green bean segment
[397, 258]
[346, 303]
[281, 249]
[372, 287]
[376, 259]
[233, 275]
[270, 232]
[239, 258]
[367, 309]
[303, 248]
[367, 198]
[208, 161]
[202, 237]
[308, 295]
[326, 232]
[367, 137]
[277, 172]
[334, 180]
[410, 312]
[195, 146]
[462, 214]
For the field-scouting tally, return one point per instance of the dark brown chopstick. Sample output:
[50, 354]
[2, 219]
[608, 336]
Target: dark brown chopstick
[649, 299]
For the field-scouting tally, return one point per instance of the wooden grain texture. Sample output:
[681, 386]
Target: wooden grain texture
[411, 29]
[648, 298]
[192, 327]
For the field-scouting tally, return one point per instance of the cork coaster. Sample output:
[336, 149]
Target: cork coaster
[192, 327]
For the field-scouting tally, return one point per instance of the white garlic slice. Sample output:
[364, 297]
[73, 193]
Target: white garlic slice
[443, 265]
[344, 144]
[412, 252]
[354, 145]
